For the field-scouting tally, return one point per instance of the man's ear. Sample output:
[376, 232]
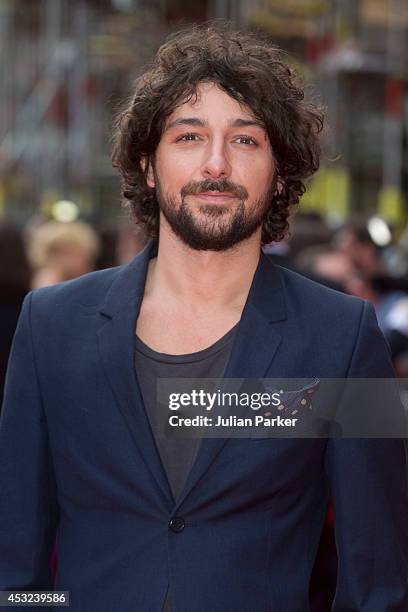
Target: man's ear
[145, 161]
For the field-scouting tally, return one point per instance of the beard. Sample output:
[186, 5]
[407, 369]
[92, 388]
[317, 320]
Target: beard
[213, 227]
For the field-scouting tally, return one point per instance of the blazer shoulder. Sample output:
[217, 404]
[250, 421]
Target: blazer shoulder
[309, 295]
[88, 290]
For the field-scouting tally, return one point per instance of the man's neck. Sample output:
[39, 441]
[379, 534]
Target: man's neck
[203, 278]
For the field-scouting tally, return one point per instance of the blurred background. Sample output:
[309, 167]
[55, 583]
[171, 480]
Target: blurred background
[68, 65]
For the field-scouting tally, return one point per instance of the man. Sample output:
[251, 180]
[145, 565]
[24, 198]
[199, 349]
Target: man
[213, 150]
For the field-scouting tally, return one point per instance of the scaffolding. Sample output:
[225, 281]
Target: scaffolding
[67, 65]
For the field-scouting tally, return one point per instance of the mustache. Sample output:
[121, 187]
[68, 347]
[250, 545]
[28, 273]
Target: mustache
[194, 187]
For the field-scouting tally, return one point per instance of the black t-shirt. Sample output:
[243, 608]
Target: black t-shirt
[177, 454]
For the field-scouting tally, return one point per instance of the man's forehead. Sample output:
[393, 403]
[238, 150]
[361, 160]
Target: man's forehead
[209, 100]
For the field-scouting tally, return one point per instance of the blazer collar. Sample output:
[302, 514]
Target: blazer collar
[128, 287]
[253, 351]
[266, 294]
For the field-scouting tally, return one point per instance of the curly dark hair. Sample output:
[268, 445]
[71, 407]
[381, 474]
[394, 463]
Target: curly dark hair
[252, 71]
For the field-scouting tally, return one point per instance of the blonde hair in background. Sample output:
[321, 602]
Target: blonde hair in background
[48, 240]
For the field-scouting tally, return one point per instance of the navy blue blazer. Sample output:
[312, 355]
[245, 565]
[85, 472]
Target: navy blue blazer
[77, 456]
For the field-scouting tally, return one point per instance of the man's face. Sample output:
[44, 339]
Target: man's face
[213, 171]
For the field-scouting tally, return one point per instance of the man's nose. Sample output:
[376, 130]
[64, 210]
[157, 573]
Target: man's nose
[216, 163]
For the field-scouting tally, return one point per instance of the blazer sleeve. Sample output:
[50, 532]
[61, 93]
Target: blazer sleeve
[28, 499]
[368, 484]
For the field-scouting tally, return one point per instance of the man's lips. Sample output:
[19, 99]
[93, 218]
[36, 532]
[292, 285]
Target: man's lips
[215, 196]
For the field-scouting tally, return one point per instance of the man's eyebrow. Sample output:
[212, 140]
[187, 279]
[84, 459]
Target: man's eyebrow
[195, 121]
[247, 123]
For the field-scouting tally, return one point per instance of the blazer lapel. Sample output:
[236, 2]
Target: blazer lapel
[254, 349]
[116, 338]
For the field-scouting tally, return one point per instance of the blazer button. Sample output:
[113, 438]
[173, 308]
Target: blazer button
[177, 524]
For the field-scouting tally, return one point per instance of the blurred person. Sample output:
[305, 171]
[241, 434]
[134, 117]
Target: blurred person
[395, 257]
[383, 290]
[308, 233]
[334, 268]
[15, 276]
[396, 327]
[62, 251]
[354, 240]
[308, 229]
[214, 149]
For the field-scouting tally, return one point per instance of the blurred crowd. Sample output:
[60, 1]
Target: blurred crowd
[361, 257]
[45, 253]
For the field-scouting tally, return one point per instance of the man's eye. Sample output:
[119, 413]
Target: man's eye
[247, 140]
[187, 137]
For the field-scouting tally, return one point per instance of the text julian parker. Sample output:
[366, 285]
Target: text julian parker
[231, 421]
